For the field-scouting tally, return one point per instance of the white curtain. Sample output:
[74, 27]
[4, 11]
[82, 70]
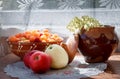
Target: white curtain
[19, 15]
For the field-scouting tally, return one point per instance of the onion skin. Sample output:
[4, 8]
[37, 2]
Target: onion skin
[71, 46]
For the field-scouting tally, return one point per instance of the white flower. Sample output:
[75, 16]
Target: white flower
[111, 4]
[29, 4]
[70, 4]
[1, 4]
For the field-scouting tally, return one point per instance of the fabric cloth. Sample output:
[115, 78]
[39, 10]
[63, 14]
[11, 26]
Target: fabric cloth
[76, 70]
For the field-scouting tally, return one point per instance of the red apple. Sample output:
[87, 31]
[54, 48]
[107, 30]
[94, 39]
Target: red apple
[27, 56]
[40, 62]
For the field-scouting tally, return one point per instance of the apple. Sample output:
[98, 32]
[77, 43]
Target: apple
[27, 56]
[59, 56]
[40, 62]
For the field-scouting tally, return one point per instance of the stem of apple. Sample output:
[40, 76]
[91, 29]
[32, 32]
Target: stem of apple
[36, 58]
[50, 47]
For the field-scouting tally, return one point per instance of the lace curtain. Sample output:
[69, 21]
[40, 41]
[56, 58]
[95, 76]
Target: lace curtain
[58, 4]
[19, 15]
[14, 12]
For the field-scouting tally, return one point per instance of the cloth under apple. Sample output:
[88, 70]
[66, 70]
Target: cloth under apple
[75, 70]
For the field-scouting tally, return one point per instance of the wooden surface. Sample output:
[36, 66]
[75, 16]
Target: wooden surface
[112, 71]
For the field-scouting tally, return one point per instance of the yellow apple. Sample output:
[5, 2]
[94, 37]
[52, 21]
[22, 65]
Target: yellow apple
[58, 55]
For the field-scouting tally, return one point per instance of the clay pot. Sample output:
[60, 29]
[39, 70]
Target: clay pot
[97, 44]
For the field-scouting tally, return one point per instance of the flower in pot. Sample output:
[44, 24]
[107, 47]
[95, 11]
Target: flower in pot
[96, 42]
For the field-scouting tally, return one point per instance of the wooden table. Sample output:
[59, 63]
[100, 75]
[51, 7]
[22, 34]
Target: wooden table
[112, 71]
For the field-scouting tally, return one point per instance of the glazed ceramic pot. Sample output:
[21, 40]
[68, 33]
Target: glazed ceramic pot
[97, 44]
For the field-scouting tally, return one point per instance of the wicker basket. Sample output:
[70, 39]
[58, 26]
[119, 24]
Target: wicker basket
[20, 48]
